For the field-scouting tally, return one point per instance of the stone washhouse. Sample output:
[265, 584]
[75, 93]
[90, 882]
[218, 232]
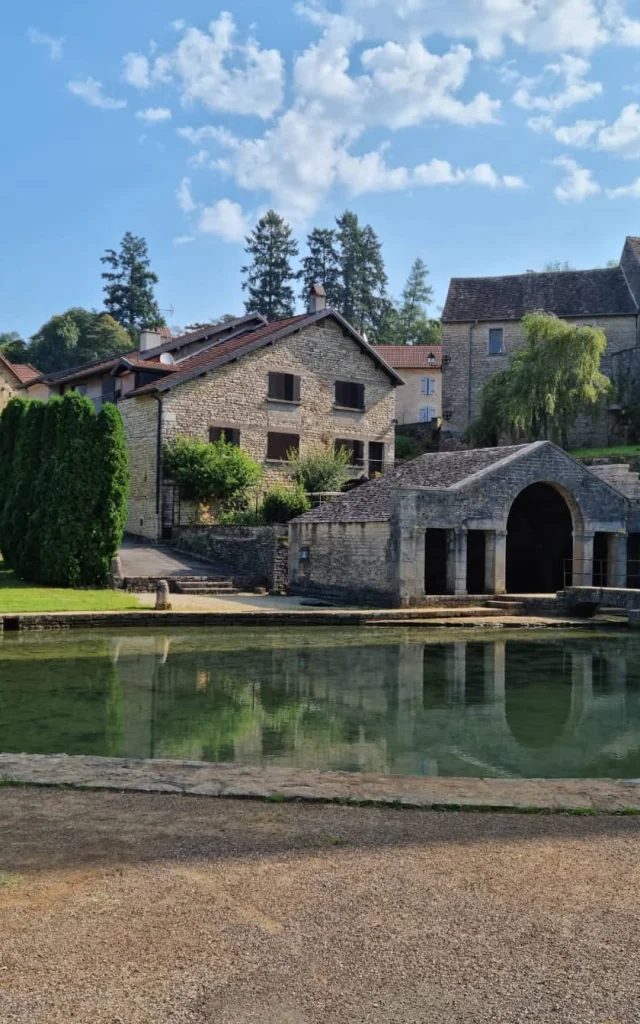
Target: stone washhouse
[524, 519]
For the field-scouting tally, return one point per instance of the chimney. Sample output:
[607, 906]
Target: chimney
[150, 339]
[317, 298]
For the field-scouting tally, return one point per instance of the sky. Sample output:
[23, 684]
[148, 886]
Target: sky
[485, 136]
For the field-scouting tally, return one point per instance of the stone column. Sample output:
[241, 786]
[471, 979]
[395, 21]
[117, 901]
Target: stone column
[616, 560]
[460, 587]
[583, 560]
[451, 562]
[495, 573]
[410, 566]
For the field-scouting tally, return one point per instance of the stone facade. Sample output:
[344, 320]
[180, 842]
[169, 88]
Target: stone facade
[342, 561]
[468, 366]
[8, 385]
[256, 556]
[235, 396]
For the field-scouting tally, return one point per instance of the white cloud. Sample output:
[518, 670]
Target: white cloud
[224, 219]
[623, 136]
[577, 185]
[199, 159]
[631, 191]
[579, 134]
[213, 69]
[91, 92]
[198, 135]
[540, 124]
[626, 31]
[136, 70]
[178, 25]
[185, 199]
[575, 89]
[154, 114]
[184, 239]
[54, 45]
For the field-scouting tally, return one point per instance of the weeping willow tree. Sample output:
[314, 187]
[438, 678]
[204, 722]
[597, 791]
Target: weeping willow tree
[552, 381]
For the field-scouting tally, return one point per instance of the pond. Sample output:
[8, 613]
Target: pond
[410, 702]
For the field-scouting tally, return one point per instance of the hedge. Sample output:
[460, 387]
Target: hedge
[63, 492]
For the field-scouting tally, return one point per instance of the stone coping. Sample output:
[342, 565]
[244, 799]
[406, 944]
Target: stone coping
[197, 778]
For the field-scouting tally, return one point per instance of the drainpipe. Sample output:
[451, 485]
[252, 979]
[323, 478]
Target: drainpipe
[159, 458]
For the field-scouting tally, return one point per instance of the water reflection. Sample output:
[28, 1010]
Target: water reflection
[544, 707]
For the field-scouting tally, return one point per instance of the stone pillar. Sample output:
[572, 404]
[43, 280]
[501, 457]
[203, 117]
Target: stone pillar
[460, 586]
[583, 560]
[410, 566]
[616, 560]
[495, 574]
[451, 561]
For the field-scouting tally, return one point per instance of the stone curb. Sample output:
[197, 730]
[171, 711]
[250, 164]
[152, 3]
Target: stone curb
[196, 778]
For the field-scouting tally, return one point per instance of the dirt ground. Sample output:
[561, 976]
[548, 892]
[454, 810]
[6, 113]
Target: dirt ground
[155, 909]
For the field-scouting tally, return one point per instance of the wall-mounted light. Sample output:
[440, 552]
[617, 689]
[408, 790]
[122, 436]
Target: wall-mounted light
[447, 414]
[446, 360]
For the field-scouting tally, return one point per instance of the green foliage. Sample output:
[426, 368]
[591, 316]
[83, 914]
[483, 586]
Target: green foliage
[63, 500]
[13, 347]
[129, 295]
[322, 266]
[320, 470]
[363, 280]
[550, 382]
[281, 503]
[409, 323]
[406, 447]
[219, 473]
[75, 337]
[241, 517]
[268, 277]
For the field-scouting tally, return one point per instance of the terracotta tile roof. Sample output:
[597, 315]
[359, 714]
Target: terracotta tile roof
[567, 293]
[222, 353]
[401, 356]
[25, 372]
[434, 471]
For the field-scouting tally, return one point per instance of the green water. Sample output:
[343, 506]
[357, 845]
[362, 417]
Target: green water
[537, 704]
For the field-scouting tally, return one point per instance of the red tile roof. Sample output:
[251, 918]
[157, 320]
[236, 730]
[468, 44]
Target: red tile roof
[25, 372]
[407, 356]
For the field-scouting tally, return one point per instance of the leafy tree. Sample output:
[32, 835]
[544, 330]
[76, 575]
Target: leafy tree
[320, 470]
[322, 265]
[557, 265]
[218, 473]
[75, 337]
[13, 347]
[550, 382]
[281, 503]
[129, 286]
[271, 247]
[363, 280]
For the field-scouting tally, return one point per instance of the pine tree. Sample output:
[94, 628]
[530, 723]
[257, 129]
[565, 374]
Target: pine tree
[363, 281]
[415, 327]
[129, 286]
[322, 265]
[272, 247]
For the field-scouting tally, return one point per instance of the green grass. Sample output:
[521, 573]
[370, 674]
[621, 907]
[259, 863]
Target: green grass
[624, 450]
[17, 596]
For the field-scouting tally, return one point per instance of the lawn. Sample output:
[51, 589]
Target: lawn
[625, 450]
[17, 596]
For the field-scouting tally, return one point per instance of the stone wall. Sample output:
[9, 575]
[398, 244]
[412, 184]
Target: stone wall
[256, 556]
[470, 366]
[140, 417]
[344, 562]
[8, 386]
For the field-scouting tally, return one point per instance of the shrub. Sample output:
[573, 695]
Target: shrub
[282, 503]
[406, 447]
[242, 517]
[322, 469]
[218, 473]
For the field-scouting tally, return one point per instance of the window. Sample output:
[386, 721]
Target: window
[231, 435]
[284, 387]
[428, 385]
[110, 390]
[279, 444]
[376, 457]
[349, 395]
[496, 341]
[355, 449]
[428, 413]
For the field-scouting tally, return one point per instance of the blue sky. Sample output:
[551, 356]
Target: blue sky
[484, 137]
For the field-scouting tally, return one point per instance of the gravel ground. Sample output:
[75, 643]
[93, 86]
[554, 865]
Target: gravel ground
[155, 909]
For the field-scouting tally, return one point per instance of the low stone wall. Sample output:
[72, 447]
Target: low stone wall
[256, 556]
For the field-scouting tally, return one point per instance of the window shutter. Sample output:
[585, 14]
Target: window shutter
[296, 389]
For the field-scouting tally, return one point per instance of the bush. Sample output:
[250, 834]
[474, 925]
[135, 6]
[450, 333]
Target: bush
[406, 447]
[242, 517]
[282, 503]
[320, 470]
[218, 473]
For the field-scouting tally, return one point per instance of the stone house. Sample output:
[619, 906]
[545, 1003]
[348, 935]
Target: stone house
[420, 366]
[481, 329]
[13, 377]
[520, 519]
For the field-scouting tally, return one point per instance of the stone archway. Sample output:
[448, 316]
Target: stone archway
[540, 531]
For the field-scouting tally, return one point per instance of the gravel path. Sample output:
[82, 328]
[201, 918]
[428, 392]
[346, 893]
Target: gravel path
[155, 909]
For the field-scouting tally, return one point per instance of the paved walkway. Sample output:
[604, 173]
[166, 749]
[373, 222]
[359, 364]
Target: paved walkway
[161, 562]
[123, 908]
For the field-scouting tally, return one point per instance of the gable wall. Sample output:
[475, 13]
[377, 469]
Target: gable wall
[621, 332]
[8, 386]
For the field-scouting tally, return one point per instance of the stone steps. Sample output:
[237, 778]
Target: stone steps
[507, 606]
[427, 615]
[204, 585]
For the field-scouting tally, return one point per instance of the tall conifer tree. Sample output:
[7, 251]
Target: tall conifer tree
[269, 276]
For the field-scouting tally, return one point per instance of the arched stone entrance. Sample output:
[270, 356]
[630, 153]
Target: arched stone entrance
[539, 541]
